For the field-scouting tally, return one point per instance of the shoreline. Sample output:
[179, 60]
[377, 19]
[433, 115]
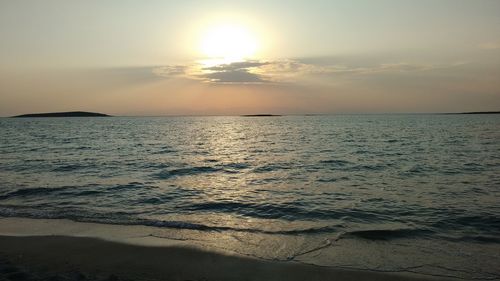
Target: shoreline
[63, 247]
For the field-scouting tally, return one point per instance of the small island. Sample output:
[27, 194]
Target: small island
[482, 112]
[260, 115]
[472, 112]
[63, 114]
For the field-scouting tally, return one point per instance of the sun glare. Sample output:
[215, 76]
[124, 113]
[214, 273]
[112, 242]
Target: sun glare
[229, 43]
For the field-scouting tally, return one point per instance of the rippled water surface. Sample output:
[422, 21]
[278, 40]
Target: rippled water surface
[398, 192]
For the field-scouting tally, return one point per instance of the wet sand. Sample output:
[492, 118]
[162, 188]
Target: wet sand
[54, 257]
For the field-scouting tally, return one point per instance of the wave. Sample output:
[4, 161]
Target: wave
[167, 174]
[336, 163]
[473, 167]
[24, 192]
[131, 185]
[120, 218]
[486, 222]
[270, 168]
[70, 190]
[294, 210]
[68, 168]
[197, 170]
[203, 227]
[237, 166]
[338, 231]
[344, 165]
[164, 150]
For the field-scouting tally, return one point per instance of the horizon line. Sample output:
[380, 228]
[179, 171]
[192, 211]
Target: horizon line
[291, 114]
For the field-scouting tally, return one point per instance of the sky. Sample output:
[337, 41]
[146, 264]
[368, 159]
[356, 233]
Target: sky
[247, 57]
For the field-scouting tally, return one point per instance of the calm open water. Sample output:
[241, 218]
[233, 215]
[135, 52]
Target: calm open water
[417, 193]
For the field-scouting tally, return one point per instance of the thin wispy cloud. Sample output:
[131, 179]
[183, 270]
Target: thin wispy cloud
[169, 71]
[284, 71]
[400, 67]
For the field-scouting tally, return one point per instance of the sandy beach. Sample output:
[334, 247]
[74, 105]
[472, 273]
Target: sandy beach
[41, 256]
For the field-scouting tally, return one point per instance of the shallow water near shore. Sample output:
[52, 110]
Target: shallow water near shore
[414, 193]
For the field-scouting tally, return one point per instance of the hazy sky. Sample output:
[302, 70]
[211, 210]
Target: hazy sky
[238, 57]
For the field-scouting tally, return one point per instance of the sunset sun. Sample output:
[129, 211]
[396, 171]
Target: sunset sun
[228, 42]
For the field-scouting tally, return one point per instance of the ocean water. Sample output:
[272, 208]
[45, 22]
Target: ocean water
[416, 193]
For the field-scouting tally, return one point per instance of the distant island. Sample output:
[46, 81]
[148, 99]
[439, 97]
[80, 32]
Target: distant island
[475, 112]
[260, 115]
[482, 112]
[63, 114]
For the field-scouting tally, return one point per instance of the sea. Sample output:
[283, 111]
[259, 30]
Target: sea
[394, 193]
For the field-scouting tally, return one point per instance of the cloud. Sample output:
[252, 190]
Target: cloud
[289, 71]
[400, 67]
[169, 71]
[254, 71]
[234, 66]
[235, 72]
[258, 72]
[283, 71]
[247, 72]
[233, 76]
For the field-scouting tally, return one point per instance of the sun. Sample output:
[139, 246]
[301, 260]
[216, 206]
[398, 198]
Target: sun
[228, 42]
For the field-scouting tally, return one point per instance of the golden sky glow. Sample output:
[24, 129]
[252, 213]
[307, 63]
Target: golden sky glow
[249, 56]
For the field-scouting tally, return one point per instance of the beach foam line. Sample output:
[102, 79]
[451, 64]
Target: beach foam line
[121, 219]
